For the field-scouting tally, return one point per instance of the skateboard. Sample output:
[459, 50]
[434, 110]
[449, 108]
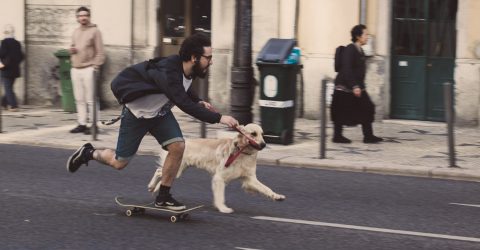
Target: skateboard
[135, 208]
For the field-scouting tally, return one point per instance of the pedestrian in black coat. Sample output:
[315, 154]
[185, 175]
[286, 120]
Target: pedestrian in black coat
[351, 104]
[11, 56]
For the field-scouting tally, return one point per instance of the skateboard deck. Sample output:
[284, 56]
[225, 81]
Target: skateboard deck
[135, 207]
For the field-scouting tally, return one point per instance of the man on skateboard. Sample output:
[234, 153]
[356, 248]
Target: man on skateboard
[148, 91]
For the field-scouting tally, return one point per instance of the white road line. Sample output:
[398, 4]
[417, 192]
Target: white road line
[467, 205]
[372, 229]
[242, 248]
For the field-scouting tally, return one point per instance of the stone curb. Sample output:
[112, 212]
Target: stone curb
[315, 163]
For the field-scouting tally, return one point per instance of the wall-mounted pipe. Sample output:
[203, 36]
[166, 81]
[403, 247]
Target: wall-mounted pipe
[363, 11]
[132, 29]
[297, 15]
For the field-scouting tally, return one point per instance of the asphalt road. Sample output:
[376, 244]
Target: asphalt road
[45, 207]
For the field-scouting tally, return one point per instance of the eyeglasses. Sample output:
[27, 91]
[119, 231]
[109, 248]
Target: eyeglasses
[83, 15]
[209, 58]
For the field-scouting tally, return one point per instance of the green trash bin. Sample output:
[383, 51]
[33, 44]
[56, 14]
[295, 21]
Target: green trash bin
[68, 100]
[278, 78]
[277, 101]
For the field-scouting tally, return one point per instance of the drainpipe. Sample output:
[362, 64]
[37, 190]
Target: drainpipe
[132, 21]
[297, 11]
[25, 61]
[363, 11]
[300, 96]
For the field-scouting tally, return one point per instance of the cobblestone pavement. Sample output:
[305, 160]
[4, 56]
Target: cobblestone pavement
[410, 147]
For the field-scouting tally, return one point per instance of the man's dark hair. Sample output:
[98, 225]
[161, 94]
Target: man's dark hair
[357, 31]
[193, 45]
[83, 8]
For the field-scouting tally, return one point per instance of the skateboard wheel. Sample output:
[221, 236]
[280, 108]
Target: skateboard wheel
[173, 218]
[129, 212]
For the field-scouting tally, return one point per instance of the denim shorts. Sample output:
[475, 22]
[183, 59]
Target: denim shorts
[132, 130]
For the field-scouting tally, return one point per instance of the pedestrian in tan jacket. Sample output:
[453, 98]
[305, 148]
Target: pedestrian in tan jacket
[86, 56]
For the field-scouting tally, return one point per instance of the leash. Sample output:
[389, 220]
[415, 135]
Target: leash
[234, 156]
[112, 121]
[251, 142]
[242, 131]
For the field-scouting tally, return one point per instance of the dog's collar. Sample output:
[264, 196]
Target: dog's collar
[238, 150]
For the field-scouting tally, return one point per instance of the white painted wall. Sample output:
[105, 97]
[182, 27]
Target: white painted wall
[113, 18]
[467, 70]
[323, 26]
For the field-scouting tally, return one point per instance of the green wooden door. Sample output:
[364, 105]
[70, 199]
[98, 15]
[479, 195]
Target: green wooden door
[408, 92]
[423, 56]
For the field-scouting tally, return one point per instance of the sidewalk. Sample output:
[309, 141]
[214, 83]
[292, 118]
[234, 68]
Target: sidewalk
[411, 148]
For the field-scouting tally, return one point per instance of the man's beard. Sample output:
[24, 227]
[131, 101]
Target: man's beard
[199, 71]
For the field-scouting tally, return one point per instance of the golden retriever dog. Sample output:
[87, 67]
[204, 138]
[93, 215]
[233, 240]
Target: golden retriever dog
[215, 156]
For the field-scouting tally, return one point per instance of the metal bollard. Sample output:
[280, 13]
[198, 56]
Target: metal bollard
[94, 128]
[450, 119]
[1, 95]
[323, 116]
[301, 101]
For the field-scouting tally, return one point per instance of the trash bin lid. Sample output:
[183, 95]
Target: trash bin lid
[276, 50]
[62, 53]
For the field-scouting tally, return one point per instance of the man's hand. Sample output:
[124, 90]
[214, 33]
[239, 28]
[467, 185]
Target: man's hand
[357, 92]
[1, 65]
[72, 50]
[207, 105]
[229, 121]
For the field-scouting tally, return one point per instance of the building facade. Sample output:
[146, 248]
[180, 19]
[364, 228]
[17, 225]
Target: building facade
[415, 46]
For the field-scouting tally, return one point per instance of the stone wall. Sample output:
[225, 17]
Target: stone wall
[50, 25]
[48, 29]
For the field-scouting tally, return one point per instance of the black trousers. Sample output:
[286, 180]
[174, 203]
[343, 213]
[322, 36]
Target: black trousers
[347, 109]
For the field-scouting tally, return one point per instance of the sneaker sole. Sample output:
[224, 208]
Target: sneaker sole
[172, 208]
[73, 157]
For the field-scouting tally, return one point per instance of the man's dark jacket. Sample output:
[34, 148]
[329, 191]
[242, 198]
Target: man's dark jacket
[11, 56]
[160, 76]
[353, 68]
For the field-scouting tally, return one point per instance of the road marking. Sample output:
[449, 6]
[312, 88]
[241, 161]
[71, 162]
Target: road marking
[242, 248]
[372, 229]
[467, 205]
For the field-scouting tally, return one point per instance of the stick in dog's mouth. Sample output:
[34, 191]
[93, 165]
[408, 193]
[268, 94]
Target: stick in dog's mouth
[251, 141]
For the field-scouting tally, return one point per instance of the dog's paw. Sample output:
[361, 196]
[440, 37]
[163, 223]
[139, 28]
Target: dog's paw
[279, 197]
[153, 186]
[225, 210]
[156, 179]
